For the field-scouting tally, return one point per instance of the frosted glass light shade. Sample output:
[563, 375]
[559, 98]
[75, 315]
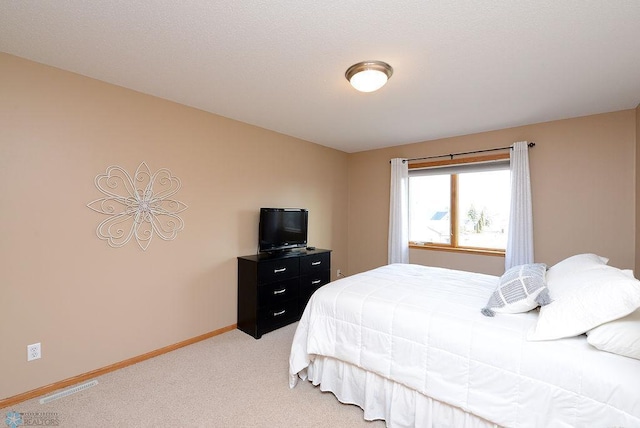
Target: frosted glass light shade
[369, 76]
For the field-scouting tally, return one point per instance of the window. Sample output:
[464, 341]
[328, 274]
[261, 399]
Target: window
[460, 205]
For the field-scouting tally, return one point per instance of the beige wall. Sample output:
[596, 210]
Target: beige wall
[637, 261]
[583, 187]
[91, 305]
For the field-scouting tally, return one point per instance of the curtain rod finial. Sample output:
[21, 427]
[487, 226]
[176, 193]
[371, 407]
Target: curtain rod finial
[531, 144]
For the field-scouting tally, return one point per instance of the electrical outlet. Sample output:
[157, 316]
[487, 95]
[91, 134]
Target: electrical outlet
[339, 273]
[33, 352]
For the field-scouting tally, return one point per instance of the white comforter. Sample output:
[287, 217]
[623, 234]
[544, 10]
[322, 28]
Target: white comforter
[422, 327]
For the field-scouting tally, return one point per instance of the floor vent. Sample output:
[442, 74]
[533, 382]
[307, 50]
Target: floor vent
[69, 391]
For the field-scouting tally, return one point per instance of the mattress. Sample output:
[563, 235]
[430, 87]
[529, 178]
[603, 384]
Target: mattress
[421, 327]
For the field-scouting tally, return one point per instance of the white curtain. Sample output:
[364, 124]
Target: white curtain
[520, 239]
[399, 212]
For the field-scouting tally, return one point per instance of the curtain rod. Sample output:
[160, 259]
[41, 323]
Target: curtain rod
[451, 155]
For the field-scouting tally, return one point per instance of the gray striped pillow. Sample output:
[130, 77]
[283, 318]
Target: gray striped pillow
[520, 289]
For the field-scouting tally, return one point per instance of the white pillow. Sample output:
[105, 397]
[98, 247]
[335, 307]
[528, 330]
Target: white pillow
[520, 289]
[621, 336]
[584, 300]
[574, 264]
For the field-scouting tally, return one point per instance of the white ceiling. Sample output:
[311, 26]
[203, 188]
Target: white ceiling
[460, 66]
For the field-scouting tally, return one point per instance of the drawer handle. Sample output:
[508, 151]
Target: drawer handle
[276, 314]
[279, 270]
[317, 281]
[316, 263]
[279, 291]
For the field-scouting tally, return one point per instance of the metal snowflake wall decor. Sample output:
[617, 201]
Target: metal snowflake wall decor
[139, 207]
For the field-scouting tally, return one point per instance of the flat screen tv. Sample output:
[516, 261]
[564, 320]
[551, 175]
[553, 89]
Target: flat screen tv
[282, 229]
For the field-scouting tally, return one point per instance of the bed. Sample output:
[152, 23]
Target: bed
[409, 345]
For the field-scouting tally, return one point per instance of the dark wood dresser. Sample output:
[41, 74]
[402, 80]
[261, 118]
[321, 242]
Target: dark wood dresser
[273, 289]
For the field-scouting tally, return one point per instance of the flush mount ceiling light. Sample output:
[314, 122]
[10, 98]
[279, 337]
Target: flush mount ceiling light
[369, 76]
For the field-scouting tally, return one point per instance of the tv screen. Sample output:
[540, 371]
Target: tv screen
[282, 229]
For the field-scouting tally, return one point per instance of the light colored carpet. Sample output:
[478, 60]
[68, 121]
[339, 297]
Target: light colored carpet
[231, 380]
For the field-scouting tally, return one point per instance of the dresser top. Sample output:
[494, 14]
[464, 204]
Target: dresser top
[283, 254]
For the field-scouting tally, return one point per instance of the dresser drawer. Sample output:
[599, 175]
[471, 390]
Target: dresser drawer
[279, 314]
[313, 281]
[277, 292]
[278, 269]
[315, 263]
[309, 284]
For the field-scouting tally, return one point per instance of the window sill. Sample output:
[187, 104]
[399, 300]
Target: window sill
[478, 251]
